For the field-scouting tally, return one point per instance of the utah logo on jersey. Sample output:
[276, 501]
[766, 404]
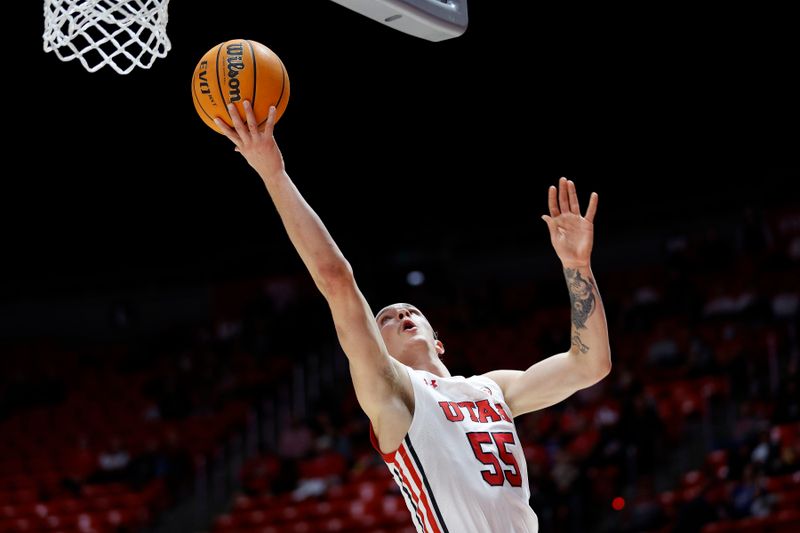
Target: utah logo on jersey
[480, 411]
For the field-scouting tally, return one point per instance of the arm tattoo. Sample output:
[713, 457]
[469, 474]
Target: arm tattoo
[581, 297]
[578, 343]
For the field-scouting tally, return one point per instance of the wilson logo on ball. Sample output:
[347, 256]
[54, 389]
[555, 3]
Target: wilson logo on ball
[235, 64]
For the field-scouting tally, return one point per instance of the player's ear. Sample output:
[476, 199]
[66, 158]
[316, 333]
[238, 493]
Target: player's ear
[439, 347]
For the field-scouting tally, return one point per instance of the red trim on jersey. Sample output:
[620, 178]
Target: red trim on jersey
[415, 477]
[414, 498]
[388, 457]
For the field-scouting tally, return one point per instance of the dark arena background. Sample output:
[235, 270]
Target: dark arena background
[167, 365]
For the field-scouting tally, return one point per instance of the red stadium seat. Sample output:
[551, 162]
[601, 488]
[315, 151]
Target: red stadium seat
[692, 478]
[254, 518]
[323, 466]
[243, 503]
[712, 387]
[56, 523]
[788, 499]
[20, 525]
[787, 521]
[786, 433]
[785, 482]
[67, 506]
[302, 527]
[726, 526]
[717, 458]
[87, 522]
[336, 524]
[537, 454]
[225, 522]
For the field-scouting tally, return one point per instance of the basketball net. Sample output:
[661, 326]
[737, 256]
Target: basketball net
[123, 34]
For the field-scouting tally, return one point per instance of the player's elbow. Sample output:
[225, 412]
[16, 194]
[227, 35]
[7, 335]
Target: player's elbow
[600, 370]
[593, 377]
[595, 371]
[604, 369]
[332, 278]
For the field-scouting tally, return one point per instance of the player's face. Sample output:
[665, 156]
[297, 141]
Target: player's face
[400, 324]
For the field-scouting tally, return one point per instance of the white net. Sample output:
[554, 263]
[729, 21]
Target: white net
[123, 34]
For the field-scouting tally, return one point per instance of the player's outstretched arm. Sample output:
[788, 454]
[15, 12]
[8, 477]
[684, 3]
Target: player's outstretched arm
[589, 357]
[312, 241]
[376, 375]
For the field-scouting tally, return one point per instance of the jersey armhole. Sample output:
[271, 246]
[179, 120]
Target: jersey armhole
[388, 457]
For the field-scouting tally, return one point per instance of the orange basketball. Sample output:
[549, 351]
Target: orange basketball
[235, 71]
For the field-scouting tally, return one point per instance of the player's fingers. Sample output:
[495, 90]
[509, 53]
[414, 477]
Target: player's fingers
[552, 202]
[249, 114]
[227, 131]
[574, 206]
[563, 196]
[592, 209]
[268, 127]
[238, 125]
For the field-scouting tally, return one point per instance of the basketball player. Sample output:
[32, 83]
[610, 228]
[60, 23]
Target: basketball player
[449, 441]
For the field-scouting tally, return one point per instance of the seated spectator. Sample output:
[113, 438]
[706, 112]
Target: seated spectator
[696, 513]
[112, 463]
[744, 494]
[296, 440]
[79, 464]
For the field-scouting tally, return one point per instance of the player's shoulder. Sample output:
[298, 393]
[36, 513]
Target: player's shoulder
[484, 382]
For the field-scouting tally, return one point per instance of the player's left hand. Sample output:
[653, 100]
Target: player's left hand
[572, 235]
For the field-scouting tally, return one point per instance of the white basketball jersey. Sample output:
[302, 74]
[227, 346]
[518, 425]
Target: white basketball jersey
[461, 467]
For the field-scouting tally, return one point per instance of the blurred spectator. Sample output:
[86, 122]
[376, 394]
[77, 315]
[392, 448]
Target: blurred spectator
[664, 351]
[176, 464]
[79, 465]
[763, 500]
[645, 512]
[787, 408]
[724, 301]
[259, 474]
[749, 496]
[696, 513]
[700, 357]
[641, 429]
[147, 465]
[296, 440]
[765, 452]
[744, 493]
[112, 463]
[750, 423]
[786, 304]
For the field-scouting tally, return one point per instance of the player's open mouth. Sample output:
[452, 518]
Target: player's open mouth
[408, 325]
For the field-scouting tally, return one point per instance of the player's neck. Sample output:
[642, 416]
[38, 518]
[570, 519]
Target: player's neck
[432, 365]
[423, 356]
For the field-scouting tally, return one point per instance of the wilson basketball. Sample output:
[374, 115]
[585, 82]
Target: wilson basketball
[235, 71]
